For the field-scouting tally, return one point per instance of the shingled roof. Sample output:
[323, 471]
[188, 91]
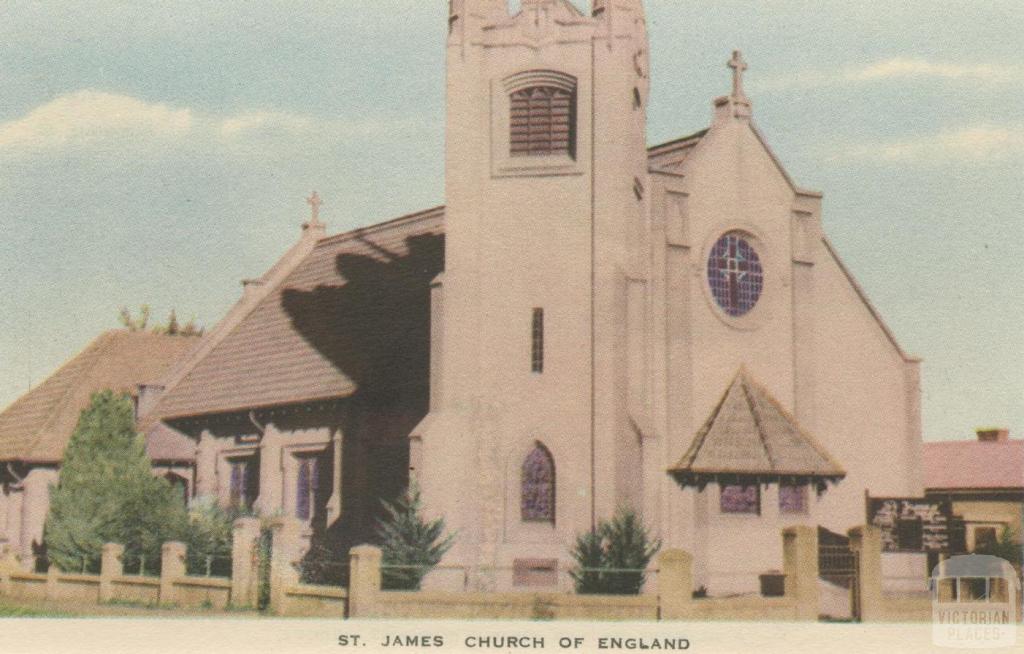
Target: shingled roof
[750, 436]
[37, 426]
[309, 337]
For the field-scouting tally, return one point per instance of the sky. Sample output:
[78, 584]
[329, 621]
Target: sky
[158, 153]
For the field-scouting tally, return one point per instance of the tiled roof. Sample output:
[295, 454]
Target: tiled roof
[974, 465]
[749, 434]
[37, 426]
[164, 443]
[309, 337]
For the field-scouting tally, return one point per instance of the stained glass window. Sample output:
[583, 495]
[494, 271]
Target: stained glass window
[306, 481]
[542, 122]
[792, 498]
[537, 497]
[740, 499]
[735, 274]
[244, 482]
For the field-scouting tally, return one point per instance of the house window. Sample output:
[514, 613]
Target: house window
[542, 121]
[740, 499]
[244, 482]
[984, 538]
[537, 337]
[792, 498]
[537, 496]
[307, 481]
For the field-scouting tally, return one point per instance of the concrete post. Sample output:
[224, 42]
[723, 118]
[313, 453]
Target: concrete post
[364, 581]
[866, 541]
[287, 549]
[111, 566]
[675, 584]
[52, 578]
[245, 562]
[800, 564]
[172, 568]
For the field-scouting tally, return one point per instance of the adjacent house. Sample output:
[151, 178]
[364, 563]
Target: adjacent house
[35, 429]
[984, 481]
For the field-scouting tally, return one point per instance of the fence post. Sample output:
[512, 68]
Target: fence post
[52, 577]
[287, 545]
[8, 564]
[800, 564]
[172, 568]
[866, 542]
[675, 584]
[364, 581]
[244, 562]
[111, 566]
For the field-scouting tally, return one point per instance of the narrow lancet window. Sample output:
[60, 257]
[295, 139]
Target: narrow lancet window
[537, 338]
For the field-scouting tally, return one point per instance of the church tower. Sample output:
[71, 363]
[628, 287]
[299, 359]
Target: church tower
[530, 439]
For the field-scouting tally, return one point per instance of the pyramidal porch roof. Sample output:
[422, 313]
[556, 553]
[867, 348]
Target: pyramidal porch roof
[751, 438]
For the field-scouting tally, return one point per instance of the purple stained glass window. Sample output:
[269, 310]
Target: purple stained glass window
[307, 480]
[792, 498]
[244, 482]
[735, 274]
[537, 497]
[740, 499]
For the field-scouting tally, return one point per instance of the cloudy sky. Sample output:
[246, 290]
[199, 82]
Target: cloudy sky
[159, 152]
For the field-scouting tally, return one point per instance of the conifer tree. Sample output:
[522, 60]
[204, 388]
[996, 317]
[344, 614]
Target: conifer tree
[107, 494]
[612, 558]
[412, 545]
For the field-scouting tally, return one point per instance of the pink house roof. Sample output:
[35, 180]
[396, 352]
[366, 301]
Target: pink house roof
[974, 464]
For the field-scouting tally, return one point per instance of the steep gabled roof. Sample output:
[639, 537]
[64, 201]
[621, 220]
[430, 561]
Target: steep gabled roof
[286, 349]
[750, 435]
[37, 426]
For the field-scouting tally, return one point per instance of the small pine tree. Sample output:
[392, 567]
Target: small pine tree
[172, 328]
[611, 559]
[107, 493]
[588, 552]
[409, 542]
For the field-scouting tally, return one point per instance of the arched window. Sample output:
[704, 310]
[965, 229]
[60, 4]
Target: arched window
[537, 495]
[542, 114]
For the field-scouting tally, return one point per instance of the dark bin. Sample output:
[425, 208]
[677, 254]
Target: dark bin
[773, 584]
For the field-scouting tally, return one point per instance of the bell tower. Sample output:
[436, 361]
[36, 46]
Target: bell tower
[546, 171]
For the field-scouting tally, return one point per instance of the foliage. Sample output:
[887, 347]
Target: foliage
[408, 542]
[107, 494]
[209, 538]
[611, 559]
[172, 327]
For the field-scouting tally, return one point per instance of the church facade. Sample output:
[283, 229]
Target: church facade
[587, 324]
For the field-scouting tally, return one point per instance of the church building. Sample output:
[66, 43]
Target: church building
[588, 323]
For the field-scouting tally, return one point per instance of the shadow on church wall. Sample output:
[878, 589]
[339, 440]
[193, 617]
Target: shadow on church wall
[375, 328]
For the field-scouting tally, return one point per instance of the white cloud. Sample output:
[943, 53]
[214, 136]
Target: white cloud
[980, 143]
[894, 69]
[90, 119]
[88, 115]
[899, 67]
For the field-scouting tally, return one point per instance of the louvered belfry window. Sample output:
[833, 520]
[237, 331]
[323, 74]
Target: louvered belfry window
[543, 122]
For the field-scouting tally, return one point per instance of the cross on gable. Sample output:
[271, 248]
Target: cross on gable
[314, 202]
[738, 65]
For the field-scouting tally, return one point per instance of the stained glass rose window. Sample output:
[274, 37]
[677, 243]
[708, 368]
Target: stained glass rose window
[735, 274]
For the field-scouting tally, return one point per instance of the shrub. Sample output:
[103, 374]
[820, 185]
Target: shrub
[409, 542]
[611, 559]
[209, 537]
[107, 494]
